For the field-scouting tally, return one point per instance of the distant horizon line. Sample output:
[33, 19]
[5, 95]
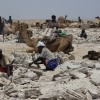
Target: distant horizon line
[50, 19]
[70, 18]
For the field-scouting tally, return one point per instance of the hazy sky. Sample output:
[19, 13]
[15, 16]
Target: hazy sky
[45, 8]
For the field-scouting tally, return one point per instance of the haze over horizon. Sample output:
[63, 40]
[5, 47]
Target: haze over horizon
[43, 9]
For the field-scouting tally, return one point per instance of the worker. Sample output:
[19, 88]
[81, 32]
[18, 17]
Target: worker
[5, 65]
[46, 57]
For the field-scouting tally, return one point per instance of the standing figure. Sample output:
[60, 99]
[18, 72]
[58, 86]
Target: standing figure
[79, 20]
[10, 21]
[1, 26]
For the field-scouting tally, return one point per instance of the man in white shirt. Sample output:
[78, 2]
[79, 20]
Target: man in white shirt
[46, 57]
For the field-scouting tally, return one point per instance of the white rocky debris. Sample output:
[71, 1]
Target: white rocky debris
[24, 76]
[97, 66]
[70, 80]
[88, 96]
[76, 74]
[95, 77]
[73, 79]
[89, 64]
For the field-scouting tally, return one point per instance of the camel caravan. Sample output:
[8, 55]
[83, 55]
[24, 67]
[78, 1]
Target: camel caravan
[49, 36]
[51, 32]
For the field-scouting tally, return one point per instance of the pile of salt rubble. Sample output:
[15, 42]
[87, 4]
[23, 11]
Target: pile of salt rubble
[93, 35]
[72, 80]
[10, 38]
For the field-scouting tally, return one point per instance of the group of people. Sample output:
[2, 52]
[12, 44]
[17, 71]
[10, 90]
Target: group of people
[46, 57]
[3, 21]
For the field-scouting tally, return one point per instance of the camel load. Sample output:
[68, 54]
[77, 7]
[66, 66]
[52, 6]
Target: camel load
[92, 55]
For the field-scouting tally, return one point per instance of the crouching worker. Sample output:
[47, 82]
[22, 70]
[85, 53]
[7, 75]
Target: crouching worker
[5, 65]
[46, 57]
[83, 34]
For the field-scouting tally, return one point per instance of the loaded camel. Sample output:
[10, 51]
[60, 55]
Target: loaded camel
[59, 44]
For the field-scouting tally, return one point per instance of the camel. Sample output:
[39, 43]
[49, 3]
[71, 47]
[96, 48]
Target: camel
[60, 23]
[97, 17]
[60, 44]
[61, 19]
[9, 29]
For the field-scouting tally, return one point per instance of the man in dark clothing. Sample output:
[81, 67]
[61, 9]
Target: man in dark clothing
[1, 26]
[53, 23]
[83, 34]
[10, 20]
[79, 20]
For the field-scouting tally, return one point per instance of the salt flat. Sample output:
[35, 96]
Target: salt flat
[75, 79]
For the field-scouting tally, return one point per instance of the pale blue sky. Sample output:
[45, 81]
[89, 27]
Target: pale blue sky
[26, 9]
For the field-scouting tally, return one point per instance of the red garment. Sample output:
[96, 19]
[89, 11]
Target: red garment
[2, 69]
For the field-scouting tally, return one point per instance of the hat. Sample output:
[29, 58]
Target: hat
[40, 43]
